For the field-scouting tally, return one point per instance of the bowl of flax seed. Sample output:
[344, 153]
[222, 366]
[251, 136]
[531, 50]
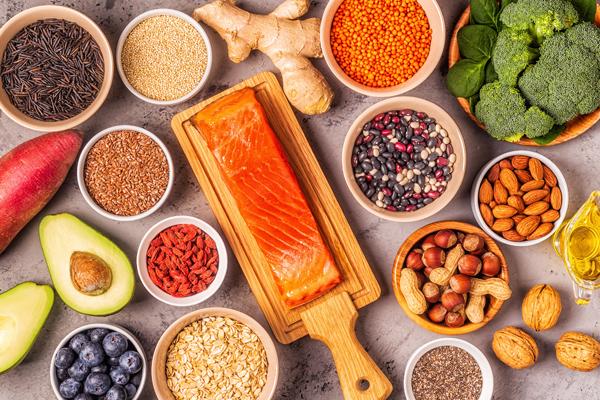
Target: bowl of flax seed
[448, 369]
[125, 173]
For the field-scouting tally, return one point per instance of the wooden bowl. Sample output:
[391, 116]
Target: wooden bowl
[492, 307]
[31, 15]
[574, 128]
[159, 378]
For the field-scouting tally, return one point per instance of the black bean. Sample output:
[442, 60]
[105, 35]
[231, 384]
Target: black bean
[427, 200]
[401, 208]
[409, 133]
[426, 171]
[431, 142]
[417, 139]
[390, 126]
[370, 192]
[375, 163]
[419, 148]
[404, 202]
[381, 158]
[381, 184]
[387, 154]
[430, 127]
[412, 201]
[362, 155]
[391, 165]
[383, 169]
[367, 126]
[374, 132]
[421, 180]
[374, 198]
[420, 165]
[399, 189]
[364, 187]
[448, 177]
[433, 156]
[359, 170]
[420, 205]
[446, 170]
[366, 166]
[405, 156]
[394, 195]
[376, 141]
[377, 176]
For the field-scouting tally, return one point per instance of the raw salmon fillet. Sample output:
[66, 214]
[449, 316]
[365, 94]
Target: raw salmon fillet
[258, 175]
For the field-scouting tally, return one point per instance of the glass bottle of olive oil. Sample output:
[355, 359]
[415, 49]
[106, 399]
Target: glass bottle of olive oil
[577, 242]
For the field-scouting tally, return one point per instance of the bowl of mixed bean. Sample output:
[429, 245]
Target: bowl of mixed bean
[382, 48]
[182, 261]
[404, 159]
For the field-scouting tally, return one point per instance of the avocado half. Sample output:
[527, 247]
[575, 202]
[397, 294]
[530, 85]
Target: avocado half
[23, 312]
[104, 281]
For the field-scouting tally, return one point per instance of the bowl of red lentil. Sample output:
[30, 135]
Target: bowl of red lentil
[125, 173]
[182, 261]
[448, 369]
[164, 57]
[382, 48]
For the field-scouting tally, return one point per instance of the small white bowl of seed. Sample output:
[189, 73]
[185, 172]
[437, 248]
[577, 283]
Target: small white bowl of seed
[164, 57]
[448, 369]
[125, 173]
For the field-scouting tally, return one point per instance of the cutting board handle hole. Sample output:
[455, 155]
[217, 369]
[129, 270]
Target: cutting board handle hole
[363, 385]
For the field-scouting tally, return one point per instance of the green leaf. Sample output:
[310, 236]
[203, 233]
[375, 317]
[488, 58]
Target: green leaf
[485, 12]
[490, 73]
[466, 77]
[476, 42]
[550, 136]
[586, 9]
[473, 100]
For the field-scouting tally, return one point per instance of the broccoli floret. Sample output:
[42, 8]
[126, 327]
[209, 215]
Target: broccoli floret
[565, 81]
[537, 122]
[503, 111]
[512, 54]
[542, 18]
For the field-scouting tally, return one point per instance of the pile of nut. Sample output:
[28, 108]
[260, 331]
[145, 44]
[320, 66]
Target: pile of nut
[449, 277]
[520, 198]
[541, 309]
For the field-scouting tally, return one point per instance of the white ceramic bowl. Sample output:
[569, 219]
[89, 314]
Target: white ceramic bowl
[136, 343]
[456, 139]
[81, 167]
[487, 388]
[159, 379]
[159, 293]
[438, 39]
[562, 184]
[153, 13]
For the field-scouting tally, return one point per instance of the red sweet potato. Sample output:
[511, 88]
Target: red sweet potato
[30, 174]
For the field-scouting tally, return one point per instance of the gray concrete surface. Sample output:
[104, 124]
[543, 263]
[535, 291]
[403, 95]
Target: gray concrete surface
[307, 370]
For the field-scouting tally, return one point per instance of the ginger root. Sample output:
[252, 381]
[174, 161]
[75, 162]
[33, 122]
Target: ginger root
[287, 41]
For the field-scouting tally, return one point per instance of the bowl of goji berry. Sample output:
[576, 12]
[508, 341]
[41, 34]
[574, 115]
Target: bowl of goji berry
[182, 261]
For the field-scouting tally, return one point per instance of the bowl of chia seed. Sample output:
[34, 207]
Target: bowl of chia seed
[448, 369]
[404, 159]
[56, 68]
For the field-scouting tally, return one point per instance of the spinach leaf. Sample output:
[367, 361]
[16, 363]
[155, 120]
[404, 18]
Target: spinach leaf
[476, 41]
[586, 9]
[485, 12]
[550, 136]
[473, 100]
[466, 77]
[490, 73]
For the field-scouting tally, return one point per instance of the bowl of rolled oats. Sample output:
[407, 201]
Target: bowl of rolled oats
[215, 353]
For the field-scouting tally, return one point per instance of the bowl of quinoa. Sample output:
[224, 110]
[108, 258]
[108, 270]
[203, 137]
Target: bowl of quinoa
[125, 173]
[164, 57]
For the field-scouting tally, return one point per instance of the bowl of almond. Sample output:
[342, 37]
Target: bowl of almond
[520, 198]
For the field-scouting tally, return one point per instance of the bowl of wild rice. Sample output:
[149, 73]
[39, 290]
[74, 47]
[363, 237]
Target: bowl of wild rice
[56, 68]
[448, 369]
[125, 173]
[215, 353]
[164, 56]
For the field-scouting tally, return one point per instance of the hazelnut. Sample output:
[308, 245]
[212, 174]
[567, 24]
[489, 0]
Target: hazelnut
[454, 319]
[460, 236]
[490, 264]
[469, 265]
[460, 283]
[541, 307]
[431, 291]
[445, 239]
[428, 242]
[427, 271]
[437, 313]
[421, 279]
[473, 243]
[413, 260]
[452, 301]
[434, 257]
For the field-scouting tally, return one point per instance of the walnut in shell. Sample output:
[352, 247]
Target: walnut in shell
[578, 351]
[515, 347]
[541, 307]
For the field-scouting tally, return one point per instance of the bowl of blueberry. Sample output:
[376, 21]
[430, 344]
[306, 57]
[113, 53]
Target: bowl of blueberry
[404, 159]
[98, 362]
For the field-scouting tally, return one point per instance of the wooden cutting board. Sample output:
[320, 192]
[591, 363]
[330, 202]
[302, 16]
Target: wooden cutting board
[330, 318]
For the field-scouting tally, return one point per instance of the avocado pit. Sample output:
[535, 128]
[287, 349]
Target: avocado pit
[89, 273]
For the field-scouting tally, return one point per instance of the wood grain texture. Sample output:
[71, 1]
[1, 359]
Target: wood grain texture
[358, 283]
[332, 322]
[574, 128]
[492, 307]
